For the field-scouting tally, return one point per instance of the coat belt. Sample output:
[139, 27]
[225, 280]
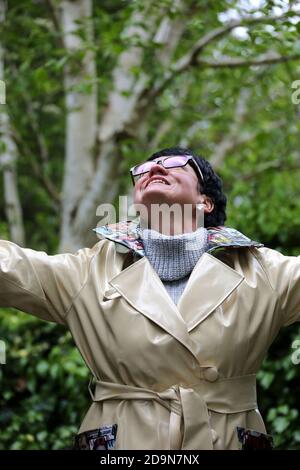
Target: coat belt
[190, 402]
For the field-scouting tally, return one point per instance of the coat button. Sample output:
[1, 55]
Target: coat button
[211, 374]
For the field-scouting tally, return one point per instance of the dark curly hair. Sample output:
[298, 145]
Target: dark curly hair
[212, 185]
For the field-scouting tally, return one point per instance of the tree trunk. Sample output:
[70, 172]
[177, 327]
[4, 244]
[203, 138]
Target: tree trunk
[120, 116]
[81, 119]
[7, 163]
[119, 112]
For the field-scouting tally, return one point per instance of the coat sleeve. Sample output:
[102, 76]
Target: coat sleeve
[40, 284]
[284, 276]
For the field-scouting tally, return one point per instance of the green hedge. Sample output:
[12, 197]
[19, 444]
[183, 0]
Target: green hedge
[44, 386]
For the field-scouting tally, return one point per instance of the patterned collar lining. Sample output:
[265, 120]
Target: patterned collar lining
[127, 234]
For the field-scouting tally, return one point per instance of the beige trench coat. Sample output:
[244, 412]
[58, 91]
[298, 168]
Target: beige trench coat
[170, 377]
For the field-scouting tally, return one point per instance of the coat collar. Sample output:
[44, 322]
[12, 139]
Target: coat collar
[210, 283]
[126, 234]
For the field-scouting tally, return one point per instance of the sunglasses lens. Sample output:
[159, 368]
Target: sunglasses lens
[143, 168]
[168, 162]
[136, 178]
[174, 162]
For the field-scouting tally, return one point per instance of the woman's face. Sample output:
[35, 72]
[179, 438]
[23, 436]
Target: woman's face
[167, 185]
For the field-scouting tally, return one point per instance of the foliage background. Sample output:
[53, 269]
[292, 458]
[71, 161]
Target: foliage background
[241, 118]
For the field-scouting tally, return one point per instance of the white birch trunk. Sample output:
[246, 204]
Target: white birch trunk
[121, 115]
[83, 192]
[117, 115]
[81, 122]
[7, 163]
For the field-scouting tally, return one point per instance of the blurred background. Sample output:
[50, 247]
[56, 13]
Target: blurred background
[93, 87]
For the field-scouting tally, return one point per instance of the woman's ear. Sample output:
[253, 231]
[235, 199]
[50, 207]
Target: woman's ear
[207, 203]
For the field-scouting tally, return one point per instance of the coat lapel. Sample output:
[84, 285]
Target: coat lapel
[210, 283]
[143, 290]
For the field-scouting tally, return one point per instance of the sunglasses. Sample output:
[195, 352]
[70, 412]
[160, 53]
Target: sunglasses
[179, 161]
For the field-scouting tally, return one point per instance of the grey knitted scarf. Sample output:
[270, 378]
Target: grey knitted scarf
[174, 257]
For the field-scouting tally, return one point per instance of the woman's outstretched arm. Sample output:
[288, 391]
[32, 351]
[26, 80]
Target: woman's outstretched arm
[37, 283]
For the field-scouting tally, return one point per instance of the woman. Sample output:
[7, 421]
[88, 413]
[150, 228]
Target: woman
[173, 324]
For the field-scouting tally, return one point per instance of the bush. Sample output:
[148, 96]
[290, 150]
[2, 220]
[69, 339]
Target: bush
[43, 384]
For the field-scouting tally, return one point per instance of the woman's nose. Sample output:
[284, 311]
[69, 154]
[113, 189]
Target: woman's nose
[157, 169]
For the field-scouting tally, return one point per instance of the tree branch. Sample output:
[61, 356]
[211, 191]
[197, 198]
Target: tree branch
[266, 59]
[191, 58]
[38, 171]
[56, 22]
[222, 31]
[43, 154]
[267, 166]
